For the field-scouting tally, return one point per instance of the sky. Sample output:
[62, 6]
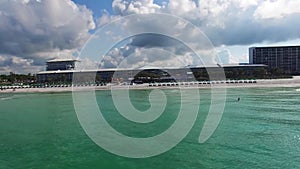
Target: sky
[34, 31]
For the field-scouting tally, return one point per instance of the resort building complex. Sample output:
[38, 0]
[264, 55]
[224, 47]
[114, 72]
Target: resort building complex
[62, 71]
[264, 63]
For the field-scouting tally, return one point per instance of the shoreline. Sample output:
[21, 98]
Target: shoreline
[262, 83]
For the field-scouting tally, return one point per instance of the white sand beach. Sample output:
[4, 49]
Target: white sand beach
[261, 83]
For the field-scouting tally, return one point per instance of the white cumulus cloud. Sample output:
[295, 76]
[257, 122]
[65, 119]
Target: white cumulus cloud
[225, 22]
[31, 27]
[126, 7]
[277, 9]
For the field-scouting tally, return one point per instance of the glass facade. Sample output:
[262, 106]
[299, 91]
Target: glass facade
[60, 65]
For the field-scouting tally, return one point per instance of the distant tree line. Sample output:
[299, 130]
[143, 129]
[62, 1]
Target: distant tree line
[201, 74]
[13, 78]
[260, 73]
[151, 76]
[242, 74]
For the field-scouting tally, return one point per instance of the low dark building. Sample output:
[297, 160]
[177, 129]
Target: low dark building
[151, 75]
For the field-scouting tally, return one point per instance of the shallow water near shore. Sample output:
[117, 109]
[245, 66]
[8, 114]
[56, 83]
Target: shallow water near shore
[262, 130]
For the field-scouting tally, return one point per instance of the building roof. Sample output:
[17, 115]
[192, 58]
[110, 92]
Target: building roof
[62, 60]
[75, 71]
[120, 69]
[244, 65]
[292, 46]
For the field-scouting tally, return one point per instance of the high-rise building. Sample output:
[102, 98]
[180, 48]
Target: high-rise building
[285, 58]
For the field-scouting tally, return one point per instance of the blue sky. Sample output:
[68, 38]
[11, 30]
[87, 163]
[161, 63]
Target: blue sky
[34, 31]
[97, 6]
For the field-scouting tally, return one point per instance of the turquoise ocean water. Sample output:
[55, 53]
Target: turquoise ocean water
[260, 131]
